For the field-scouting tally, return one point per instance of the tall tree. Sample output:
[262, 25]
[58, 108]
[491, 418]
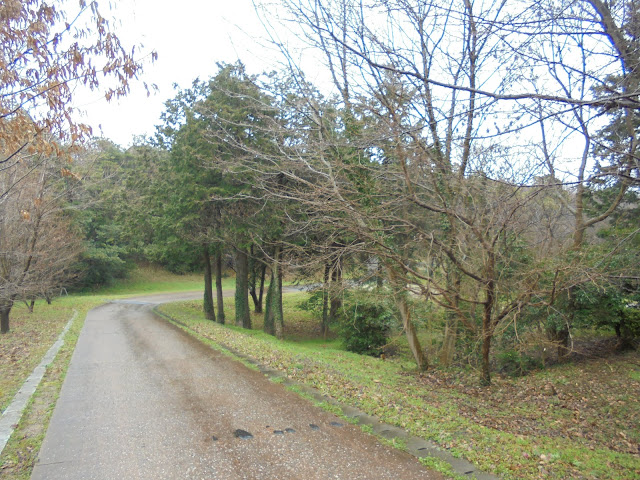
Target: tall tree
[234, 111]
[47, 49]
[453, 92]
[38, 244]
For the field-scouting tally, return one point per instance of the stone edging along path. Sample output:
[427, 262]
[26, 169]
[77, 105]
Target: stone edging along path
[416, 446]
[12, 415]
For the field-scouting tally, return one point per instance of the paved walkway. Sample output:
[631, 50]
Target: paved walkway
[144, 400]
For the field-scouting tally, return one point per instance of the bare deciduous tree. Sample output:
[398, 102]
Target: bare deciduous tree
[448, 116]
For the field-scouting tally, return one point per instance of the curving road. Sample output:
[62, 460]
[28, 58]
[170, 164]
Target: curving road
[144, 400]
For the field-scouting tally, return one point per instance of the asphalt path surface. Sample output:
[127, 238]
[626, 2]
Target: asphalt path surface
[144, 400]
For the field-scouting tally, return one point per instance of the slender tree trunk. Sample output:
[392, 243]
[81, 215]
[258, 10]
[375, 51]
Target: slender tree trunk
[324, 328]
[30, 304]
[217, 265]
[254, 298]
[263, 274]
[561, 336]
[253, 281]
[209, 308]
[487, 323]
[243, 315]
[273, 317]
[268, 325]
[336, 288]
[451, 326]
[450, 337]
[256, 291]
[407, 324]
[276, 296]
[5, 309]
[486, 350]
[410, 331]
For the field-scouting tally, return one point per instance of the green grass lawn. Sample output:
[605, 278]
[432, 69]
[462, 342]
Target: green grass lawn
[153, 279]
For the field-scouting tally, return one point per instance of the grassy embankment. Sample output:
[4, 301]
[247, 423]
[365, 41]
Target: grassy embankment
[32, 334]
[518, 428]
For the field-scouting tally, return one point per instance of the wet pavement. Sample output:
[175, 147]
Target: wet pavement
[144, 400]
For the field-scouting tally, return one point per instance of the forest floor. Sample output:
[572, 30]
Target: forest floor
[574, 420]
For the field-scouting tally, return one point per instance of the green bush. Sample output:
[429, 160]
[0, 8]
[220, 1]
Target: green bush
[365, 325]
[515, 364]
[314, 303]
[614, 307]
[100, 266]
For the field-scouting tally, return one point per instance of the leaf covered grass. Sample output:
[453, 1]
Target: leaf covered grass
[32, 335]
[590, 428]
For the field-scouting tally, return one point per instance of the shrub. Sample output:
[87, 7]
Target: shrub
[314, 303]
[515, 364]
[365, 324]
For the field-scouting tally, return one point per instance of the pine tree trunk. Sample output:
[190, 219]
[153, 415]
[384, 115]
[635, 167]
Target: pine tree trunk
[243, 315]
[254, 266]
[209, 308]
[273, 317]
[268, 325]
[5, 309]
[263, 274]
[324, 328]
[217, 266]
[276, 296]
[256, 291]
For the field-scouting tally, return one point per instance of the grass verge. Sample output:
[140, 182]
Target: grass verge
[588, 429]
[20, 453]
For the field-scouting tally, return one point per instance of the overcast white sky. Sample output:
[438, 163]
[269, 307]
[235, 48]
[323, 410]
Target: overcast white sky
[190, 36]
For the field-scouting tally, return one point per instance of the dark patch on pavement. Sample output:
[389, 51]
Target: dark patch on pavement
[243, 434]
[214, 438]
[313, 426]
[278, 432]
[336, 424]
